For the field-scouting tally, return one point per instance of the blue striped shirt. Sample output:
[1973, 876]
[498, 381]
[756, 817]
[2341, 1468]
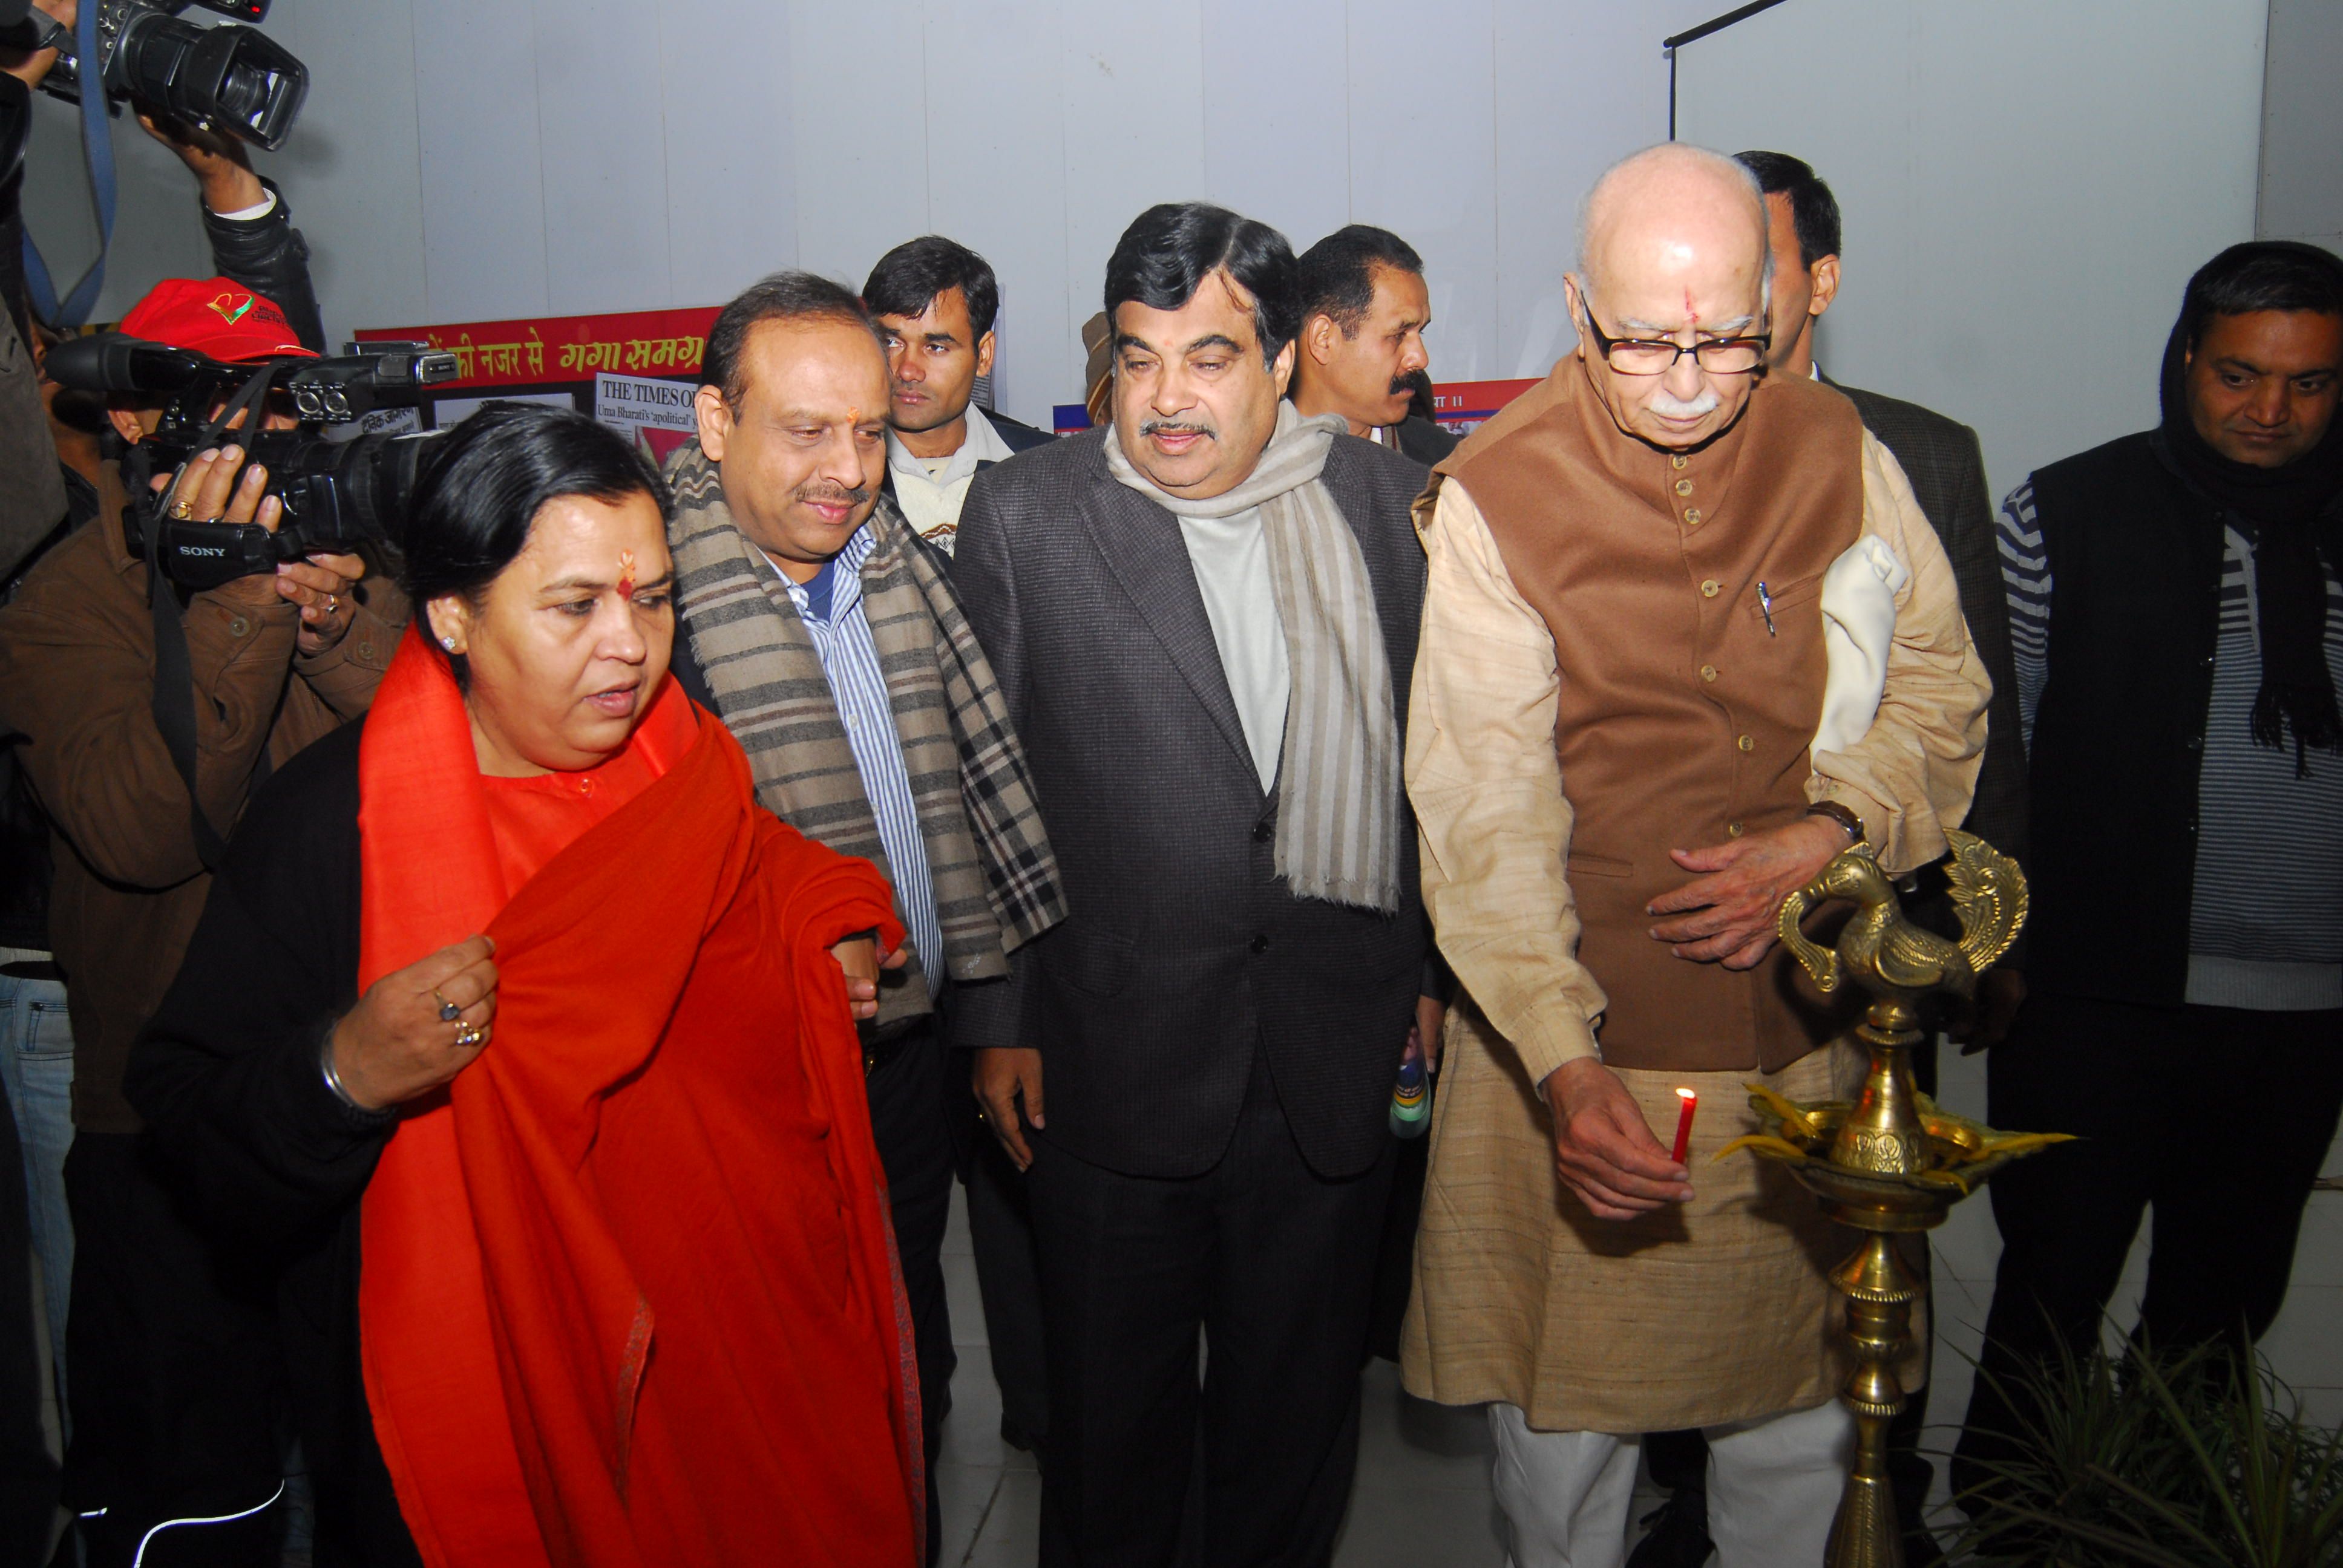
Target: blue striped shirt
[841, 638]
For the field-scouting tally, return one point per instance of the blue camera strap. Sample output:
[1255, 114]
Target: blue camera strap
[98, 146]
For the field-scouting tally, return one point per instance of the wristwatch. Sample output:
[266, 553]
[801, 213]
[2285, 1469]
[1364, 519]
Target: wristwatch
[1843, 817]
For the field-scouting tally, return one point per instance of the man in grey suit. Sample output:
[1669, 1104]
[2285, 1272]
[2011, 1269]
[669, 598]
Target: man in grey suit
[1943, 460]
[1203, 619]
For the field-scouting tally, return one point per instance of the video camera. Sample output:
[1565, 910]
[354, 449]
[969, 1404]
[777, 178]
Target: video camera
[337, 495]
[224, 77]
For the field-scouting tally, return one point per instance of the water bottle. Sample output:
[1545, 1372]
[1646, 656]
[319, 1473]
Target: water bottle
[1411, 1102]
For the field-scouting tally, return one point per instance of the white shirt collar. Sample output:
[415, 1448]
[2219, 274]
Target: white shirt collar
[982, 444]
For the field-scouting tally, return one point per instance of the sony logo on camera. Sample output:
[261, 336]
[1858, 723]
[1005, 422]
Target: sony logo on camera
[202, 549]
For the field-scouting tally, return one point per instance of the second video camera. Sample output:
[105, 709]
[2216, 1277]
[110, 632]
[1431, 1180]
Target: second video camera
[337, 494]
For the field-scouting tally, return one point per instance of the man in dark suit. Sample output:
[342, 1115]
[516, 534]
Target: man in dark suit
[1203, 619]
[1365, 308]
[1943, 460]
[935, 301]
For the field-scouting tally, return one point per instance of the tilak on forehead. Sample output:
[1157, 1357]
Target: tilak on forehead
[626, 573]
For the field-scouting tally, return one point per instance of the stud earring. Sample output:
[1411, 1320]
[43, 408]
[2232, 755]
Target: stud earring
[449, 643]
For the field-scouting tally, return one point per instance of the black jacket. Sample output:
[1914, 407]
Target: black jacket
[1018, 437]
[1425, 441]
[1947, 467]
[1183, 953]
[2136, 558]
[272, 1164]
[268, 256]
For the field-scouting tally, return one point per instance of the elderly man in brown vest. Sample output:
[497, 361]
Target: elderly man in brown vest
[1687, 636]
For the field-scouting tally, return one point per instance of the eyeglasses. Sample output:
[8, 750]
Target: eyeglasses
[1650, 357]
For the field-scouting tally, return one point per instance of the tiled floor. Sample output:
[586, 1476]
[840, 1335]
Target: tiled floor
[1422, 1497]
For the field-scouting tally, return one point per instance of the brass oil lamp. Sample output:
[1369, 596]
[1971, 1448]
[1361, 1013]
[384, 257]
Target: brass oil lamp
[1891, 1163]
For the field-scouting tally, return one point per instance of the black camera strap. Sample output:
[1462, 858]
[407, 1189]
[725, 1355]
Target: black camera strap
[174, 698]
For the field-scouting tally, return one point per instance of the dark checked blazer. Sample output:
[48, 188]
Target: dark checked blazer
[1183, 955]
[1947, 467]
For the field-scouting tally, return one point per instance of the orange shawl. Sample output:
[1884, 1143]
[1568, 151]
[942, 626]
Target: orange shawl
[629, 1295]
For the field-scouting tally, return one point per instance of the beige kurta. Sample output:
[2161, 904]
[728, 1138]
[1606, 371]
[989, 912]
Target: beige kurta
[1716, 1310]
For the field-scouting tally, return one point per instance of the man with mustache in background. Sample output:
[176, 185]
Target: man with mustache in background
[826, 637]
[1364, 311]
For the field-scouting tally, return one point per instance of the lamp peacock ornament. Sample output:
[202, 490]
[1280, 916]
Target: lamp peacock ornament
[1892, 1162]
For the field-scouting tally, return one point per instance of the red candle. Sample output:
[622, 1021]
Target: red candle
[1684, 1123]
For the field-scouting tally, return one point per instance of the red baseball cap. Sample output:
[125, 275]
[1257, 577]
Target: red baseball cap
[217, 317]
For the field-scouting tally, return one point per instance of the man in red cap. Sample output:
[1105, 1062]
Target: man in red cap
[172, 1398]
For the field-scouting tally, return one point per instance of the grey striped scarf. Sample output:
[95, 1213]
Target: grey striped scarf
[996, 881]
[1338, 811]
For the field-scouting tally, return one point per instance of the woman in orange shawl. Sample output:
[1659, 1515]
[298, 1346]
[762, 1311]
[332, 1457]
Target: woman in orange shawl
[513, 1038]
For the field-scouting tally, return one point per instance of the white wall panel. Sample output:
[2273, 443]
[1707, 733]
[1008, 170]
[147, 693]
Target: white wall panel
[353, 167]
[2026, 187]
[1134, 119]
[1578, 87]
[483, 186]
[461, 160]
[1277, 114]
[725, 93]
[605, 159]
[996, 132]
[1423, 159]
[2302, 124]
[858, 129]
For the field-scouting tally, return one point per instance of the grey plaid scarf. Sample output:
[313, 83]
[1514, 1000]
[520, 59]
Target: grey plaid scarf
[1338, 793]
[996, 881]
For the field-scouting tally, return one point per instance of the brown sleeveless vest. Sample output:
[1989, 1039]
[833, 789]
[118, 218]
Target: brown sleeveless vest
[1684, 720]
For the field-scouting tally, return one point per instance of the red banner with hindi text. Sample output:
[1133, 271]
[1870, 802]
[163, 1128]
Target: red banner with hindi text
[558, 349]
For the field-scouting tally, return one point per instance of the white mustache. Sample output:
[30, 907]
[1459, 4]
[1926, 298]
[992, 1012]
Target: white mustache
[1671, 407]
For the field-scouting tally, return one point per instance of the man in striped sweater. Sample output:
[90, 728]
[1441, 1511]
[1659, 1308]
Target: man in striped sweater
[2173, 604]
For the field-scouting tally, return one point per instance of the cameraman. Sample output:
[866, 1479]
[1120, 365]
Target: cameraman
[173, 1368]
[253, 241]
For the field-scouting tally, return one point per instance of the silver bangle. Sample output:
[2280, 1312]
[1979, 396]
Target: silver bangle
[334, 1080]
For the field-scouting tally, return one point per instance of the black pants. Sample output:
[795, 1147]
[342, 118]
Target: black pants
[178, 1385]
[1395, 1251]
[907, 1090]
[1008, 1277]
[1276, 1264]
[2218, 1118]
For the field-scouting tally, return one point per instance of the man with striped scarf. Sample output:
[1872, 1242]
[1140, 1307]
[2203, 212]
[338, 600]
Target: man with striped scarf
[826, 637]
[1204, 621]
